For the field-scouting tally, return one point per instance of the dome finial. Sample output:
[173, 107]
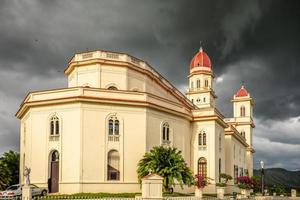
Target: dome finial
[200, 49]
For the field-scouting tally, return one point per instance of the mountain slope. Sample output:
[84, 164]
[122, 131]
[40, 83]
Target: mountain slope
[281, 177]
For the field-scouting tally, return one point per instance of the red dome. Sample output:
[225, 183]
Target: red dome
[242, 92]
[201, 59]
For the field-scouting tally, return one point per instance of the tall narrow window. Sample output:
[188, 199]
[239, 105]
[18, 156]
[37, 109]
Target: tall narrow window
[206, 83]
[166, 133]
[236, 173]
[113, 129]
[57, 127]
[234, 151]
[242, 111]
[220, 143]
[198, 83]
[200, 139]
[202, 167]
[116, 132]
[113, 163]
[204, 138]
[192, 84]
[220, 170]
[54, 126]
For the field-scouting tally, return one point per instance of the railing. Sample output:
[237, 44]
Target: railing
[81, 197]
[113, 138]
[125, 58]
[54, 197]
[202, 147]
[54, 137]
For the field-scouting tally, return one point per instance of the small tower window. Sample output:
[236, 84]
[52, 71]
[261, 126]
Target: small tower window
[192, 84]
[206, 83]
[204, 138]
[242, 111]
[198, 83]
[243, 133]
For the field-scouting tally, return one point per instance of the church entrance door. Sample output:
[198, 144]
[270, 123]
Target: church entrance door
[54, 172]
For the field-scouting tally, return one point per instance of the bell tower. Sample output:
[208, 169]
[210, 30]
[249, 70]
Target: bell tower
[243, 115]
[201, 77]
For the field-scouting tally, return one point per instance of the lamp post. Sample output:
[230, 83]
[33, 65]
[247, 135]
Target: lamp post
[262, 177]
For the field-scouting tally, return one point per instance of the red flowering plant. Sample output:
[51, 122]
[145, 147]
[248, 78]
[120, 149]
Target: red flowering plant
[200, 181]
[245, 182]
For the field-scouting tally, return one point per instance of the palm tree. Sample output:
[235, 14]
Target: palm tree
[9, 169]
[168, 163]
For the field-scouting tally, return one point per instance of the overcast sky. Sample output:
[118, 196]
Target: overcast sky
[257, 42]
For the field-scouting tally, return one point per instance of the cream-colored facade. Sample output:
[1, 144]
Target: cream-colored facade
[90, 136]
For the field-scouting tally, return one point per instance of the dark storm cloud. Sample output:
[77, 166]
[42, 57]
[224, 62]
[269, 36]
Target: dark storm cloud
[252, 41]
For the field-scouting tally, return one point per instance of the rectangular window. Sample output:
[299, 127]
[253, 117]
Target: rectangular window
[52, 128]
[236, 173]
[199, 139]
[220, 170]
[198, 83]
[57, 127]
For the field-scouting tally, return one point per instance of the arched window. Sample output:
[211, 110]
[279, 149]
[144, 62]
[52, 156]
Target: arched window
[53, 181]
[200, 139]
[54, 126]
[113, 129]
[242, 111]
[204, 139]
[202, 167]
[206, 83]
[166, 133]
[198, 83]
[204, 99]
[55, 156]
[116, 132]
[113, 164]
[112, 88]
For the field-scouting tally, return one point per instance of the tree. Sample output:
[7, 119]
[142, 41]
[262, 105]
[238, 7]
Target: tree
[256, 184]
[9, 169]
[168, 163]
[224, 180]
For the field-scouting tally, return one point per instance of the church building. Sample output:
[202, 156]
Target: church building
[89, 136]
